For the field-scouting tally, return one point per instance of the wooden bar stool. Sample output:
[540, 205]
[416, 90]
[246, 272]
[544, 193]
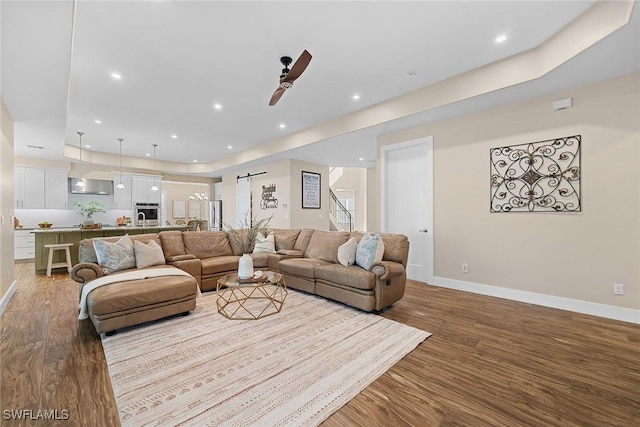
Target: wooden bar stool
[59, 247]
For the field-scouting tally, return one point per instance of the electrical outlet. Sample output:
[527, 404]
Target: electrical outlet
[618, 288]
[465, 267]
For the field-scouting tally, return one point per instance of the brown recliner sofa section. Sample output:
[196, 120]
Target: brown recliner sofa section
[307, 258]
[122, 304]
[209, 255]
[313, 267]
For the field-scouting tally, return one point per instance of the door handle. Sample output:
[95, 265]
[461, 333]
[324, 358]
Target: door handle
[424, 230]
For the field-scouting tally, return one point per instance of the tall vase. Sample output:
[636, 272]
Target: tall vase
[245, 267]
[89, 221]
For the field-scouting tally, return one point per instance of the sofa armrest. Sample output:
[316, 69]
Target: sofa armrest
[387, 269]
[191, 265]
[85, 272]
[174, 258]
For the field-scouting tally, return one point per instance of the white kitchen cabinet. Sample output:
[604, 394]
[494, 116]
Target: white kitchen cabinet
[40, 188]
[122, 196]
[55, 189]
[141, 189]
[29, 188]
[24, 245]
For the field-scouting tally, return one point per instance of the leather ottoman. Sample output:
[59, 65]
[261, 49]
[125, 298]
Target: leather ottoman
[132, 302]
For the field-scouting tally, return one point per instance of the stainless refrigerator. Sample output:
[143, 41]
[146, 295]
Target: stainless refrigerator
[215, 215]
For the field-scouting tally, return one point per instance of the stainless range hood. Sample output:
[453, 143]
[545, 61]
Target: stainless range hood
[91, 186]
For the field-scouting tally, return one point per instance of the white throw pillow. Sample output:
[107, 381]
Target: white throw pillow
[347, 252]
[265, 244]
[149, 254]
[115, 256]
[370, 250]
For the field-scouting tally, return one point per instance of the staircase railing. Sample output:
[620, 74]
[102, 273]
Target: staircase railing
[339, 212]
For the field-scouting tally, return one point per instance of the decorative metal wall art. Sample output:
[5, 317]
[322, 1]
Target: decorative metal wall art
[268, 197]
[540, 176]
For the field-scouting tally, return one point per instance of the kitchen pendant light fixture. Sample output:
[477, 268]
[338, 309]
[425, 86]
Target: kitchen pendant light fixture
[120, 185]
[80, 182]
[199, 196]
[154, 187]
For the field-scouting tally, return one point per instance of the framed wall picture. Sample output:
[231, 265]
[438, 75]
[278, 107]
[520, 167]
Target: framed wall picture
[310, 190]
[178, 209]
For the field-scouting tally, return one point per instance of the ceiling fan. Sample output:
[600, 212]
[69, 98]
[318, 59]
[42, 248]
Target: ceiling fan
[289, 76]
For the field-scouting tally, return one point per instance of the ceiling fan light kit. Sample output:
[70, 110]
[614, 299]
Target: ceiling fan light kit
[289, 76]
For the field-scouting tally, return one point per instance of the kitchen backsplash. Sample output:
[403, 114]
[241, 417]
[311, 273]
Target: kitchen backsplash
[30, 218]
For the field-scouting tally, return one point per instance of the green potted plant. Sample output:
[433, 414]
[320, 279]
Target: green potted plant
[88, 211]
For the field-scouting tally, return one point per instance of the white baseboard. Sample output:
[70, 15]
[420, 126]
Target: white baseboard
[7, 297]
[578, 306]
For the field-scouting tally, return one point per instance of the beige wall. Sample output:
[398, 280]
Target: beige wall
[178, 190]
[353, 179]
[573, 255]
[373, 199]
[309, 218]
[277, 173]
[286, 175]
[6, 201]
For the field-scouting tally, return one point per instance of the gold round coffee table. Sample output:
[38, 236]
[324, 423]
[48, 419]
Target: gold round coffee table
[250, 299]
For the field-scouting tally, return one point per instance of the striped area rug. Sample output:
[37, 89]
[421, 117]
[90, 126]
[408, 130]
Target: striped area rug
[292, 368]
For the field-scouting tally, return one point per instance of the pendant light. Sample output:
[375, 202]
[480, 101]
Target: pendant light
[80, 182]
[199, 196]
[154, 187]
[120, 185]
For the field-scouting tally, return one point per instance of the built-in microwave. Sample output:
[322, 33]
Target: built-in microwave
[147, 214]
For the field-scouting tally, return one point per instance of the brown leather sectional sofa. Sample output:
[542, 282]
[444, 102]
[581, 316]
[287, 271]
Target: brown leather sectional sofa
[131, 302]
[307, 258]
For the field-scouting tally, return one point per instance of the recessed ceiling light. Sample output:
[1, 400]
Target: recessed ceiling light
[87, 145]
[97, 121]
[229, 147]
[116, 76]
[148, 154]
[217, 106]
[355, 97]
[174, 136]
[501, 38]
[195, 161]
[282, 126]
[361, 158]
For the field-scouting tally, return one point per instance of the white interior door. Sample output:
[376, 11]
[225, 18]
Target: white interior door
[407, 201]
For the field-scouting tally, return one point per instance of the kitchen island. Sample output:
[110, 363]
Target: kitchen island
[47, 236]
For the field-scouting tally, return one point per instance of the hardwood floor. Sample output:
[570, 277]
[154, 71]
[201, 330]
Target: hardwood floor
[489, 362]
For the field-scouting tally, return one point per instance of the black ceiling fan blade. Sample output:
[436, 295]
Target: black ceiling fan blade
[299, 67]
[276, 96]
